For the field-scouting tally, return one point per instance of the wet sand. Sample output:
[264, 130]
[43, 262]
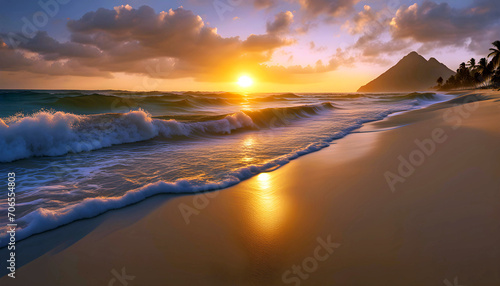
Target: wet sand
[375, 208]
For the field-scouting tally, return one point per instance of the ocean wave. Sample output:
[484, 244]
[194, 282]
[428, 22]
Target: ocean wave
[57, 133]
[350, 96]
[214, 94]
[270, 117]
[106, 102]
[50, 93]
[43, 219]
[286, 95]
[93, 101]
[201, 100]
[47, 133]
[418, 95]
[399, 96]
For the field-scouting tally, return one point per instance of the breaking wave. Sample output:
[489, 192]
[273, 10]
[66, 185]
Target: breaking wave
[47, 133]
[43, 219]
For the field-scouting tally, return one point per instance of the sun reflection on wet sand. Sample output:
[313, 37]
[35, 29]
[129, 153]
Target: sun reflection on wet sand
[266, 217]
[268, 207]
[264, 211]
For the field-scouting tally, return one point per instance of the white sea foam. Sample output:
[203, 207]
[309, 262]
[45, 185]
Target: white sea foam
[57, 133]
[48, 133]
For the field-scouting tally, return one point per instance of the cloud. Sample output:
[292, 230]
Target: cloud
[170, 44]
[262, 43]
[439, 24]
[281, 24]
[314, 48]
[51, 49]
[362, 20]
[11, 60]
[333, 8]
[259, 4]
[23, 60]
[297, 73]
[374, 41]
[377, 48]
[432, 26]
[264, 4]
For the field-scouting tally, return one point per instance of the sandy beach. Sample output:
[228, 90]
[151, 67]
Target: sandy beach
[410, 200]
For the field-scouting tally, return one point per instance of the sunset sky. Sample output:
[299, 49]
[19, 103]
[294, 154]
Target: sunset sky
[292, 45]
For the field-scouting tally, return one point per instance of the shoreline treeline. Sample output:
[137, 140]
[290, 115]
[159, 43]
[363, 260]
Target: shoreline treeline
[484, 73]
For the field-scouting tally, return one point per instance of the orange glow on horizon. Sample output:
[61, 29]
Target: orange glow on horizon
[345, 80]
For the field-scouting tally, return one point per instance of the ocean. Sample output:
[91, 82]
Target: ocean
[77, 154]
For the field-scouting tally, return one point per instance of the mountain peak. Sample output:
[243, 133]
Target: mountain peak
[433, 60]
[412, 73]
[414, 56]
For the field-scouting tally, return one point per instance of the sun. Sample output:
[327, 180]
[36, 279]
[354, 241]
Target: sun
[245, 81]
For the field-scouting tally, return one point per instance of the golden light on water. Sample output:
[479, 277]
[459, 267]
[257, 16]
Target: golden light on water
[248, 142]
[245, 81]
[245, 104]
[247, 146]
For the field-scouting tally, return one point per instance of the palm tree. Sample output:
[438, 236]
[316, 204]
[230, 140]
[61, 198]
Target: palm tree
[451, 82]
[495, 53]
[496, 77]
[463, 75]
[472, 64]
[440, 81]
[484, 68]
